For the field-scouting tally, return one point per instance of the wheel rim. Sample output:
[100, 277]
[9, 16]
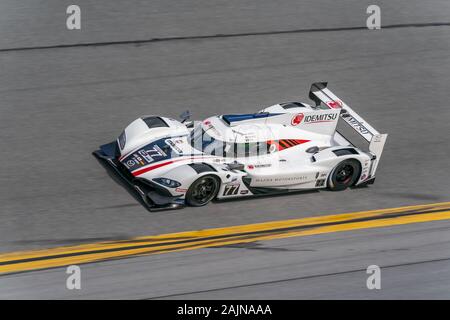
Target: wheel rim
[344, 174]
[204, 190]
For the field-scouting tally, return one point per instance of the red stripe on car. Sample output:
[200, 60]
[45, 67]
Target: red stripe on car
[162, 164]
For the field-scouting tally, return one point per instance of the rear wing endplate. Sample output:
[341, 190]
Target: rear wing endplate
[320, 94]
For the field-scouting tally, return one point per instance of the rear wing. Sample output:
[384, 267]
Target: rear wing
[320, 94]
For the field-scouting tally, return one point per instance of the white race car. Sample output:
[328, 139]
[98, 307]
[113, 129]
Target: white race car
[286, 147]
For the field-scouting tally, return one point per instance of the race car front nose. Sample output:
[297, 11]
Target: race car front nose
[121, 140]
[110, 150]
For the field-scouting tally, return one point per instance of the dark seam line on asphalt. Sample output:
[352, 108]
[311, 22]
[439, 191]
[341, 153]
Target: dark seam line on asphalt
[296, 278]
[132, 255]
[218, 36]
[225, 237]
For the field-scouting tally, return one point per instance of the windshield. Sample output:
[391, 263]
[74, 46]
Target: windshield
[202, 141]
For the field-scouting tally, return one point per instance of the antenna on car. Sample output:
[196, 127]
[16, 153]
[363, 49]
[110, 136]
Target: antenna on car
[186, 115]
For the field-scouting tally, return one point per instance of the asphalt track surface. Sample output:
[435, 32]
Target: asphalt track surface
[63, 93]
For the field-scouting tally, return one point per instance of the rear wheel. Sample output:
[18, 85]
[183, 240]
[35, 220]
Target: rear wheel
[344, 175]
[202, 191]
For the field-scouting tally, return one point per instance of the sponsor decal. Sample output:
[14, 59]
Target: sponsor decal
[316, 118]
[297, 119]
[231, 190]
[157, 151]
[138, 159]
[263, 165]
[174, 147]
[356, 125]
[272, 148]
[210, 126]
[244, 192]
[145, 155]
[182, 190]
[335, 104]
[283, 179]
[320, 183]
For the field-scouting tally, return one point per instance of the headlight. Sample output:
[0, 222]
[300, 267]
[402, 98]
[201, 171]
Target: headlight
[122, 140]
[167, 182]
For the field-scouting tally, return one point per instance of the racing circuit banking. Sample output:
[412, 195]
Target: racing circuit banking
[64, 93]
[89, 253]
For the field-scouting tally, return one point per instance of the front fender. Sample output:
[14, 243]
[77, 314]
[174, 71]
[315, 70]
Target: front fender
[186, 174]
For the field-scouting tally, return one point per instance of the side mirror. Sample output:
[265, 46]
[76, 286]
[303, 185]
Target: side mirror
[186, 115]
[189, 124]
[236, 166]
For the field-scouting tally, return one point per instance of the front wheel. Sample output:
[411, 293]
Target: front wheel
[202, 191]
[344, 175]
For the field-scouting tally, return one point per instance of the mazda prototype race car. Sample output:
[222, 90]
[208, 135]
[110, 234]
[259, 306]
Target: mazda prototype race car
[286, 147]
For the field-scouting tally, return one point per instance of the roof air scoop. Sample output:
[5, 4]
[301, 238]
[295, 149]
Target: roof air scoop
[155, 122]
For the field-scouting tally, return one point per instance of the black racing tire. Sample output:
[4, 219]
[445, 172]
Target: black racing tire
[203, 190]
[344, 175]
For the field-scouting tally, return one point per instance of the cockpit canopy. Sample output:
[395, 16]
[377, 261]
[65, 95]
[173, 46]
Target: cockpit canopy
[200, 139]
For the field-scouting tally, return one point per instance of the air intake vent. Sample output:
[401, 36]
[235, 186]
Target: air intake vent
[201, 167]
[290, 105]
[343, 152]
[155, 122]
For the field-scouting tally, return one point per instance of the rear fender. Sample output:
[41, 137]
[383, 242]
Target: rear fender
[331, 157]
